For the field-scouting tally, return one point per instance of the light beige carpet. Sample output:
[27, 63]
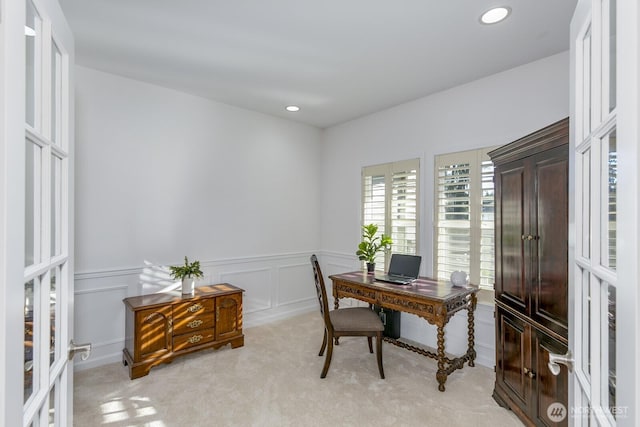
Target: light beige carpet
[274, 380]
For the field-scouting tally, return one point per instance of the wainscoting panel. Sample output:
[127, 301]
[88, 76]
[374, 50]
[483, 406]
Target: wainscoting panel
[258, 294]
[295, 284]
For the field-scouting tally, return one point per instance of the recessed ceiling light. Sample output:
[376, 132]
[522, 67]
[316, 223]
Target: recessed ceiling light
[292, 108]
[495, 15]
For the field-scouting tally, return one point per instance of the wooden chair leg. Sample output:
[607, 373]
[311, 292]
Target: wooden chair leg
[324, 343]
[327, 361]
[379, 353]
[370, 344]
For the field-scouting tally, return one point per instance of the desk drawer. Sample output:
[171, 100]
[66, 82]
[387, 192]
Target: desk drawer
[191, 308]
[185, 325]
[181, 342]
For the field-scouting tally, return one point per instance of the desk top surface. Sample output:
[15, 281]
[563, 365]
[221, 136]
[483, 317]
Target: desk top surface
[424, 287]
[175, 296]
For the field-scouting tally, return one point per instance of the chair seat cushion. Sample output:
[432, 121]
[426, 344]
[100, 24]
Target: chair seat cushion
[355, 319]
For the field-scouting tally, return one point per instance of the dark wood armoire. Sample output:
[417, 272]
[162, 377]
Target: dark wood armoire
[531, 289]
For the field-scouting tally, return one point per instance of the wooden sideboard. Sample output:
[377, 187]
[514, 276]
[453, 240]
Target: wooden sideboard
[160, 327]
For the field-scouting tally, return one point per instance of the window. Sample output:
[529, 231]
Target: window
[464, 216]
[390, 200]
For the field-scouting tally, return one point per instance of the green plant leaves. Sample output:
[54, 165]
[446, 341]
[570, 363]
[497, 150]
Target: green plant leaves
[186, 270]
[371, 245]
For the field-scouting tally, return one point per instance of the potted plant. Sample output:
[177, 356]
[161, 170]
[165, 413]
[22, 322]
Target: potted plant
[188, 273]
[371, 245]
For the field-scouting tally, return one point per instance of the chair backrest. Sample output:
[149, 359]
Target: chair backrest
[321, 290]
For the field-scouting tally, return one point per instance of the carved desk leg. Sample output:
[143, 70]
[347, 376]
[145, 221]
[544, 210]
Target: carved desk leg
[441, 375]
[471, 352]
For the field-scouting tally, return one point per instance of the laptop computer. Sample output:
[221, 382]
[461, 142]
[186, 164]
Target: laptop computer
[403, 269]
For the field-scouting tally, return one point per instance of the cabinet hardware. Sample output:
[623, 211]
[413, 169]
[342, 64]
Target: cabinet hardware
[555, 360]
[217, 314]
[196, 338]
[529, 373]
[194, 308]
[195, 323]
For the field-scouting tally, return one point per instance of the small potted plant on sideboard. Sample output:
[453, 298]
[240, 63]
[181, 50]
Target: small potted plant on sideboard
[371, 245]
[188, 273]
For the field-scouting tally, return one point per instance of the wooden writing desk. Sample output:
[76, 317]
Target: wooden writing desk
[434, 301]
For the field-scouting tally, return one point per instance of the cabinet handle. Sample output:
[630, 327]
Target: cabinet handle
[194, 308]
[195, 323]
[523, 237]
[528, 372]
[196, 338]
[217, 314]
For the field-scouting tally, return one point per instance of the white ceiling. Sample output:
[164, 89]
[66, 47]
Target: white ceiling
[336, 59]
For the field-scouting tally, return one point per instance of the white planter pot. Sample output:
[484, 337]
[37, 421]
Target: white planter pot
[188, 285]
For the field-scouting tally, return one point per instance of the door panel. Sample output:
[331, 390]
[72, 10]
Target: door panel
[512, 355]
[228, 316]
[551, 389]
[550, 245]
[154, 322]
[510, 269]
[47, 130]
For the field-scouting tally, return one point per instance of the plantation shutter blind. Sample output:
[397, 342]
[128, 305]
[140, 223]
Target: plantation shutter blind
[404, 209]
[374, 201]
[487, 225]
[464, 214]
[390, 200]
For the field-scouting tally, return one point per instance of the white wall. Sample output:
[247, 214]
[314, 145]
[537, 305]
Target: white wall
[492, 111]
[162, 174]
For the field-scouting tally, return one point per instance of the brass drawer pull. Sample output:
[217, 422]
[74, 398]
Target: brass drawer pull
[194, 308]
[529, 373]
[196, 338]
[195, 323]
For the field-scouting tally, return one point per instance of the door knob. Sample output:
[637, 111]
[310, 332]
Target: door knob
[555, 360]
[84, 349]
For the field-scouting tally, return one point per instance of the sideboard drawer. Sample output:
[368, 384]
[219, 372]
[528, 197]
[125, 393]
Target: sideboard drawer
[185, 325]
[180, 342]
[191, 308]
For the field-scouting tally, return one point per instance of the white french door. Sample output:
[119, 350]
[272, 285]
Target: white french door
[37, 204]
[604, 258]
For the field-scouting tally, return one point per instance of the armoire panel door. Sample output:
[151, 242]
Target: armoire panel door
[549, 389]
[512, 357]
[511, 286]
[549, 248]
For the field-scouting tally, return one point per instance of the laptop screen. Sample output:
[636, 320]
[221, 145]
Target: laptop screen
[405, 265]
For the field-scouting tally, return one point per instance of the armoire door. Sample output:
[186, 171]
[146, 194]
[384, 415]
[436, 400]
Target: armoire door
[549, 224]
[510, 217]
